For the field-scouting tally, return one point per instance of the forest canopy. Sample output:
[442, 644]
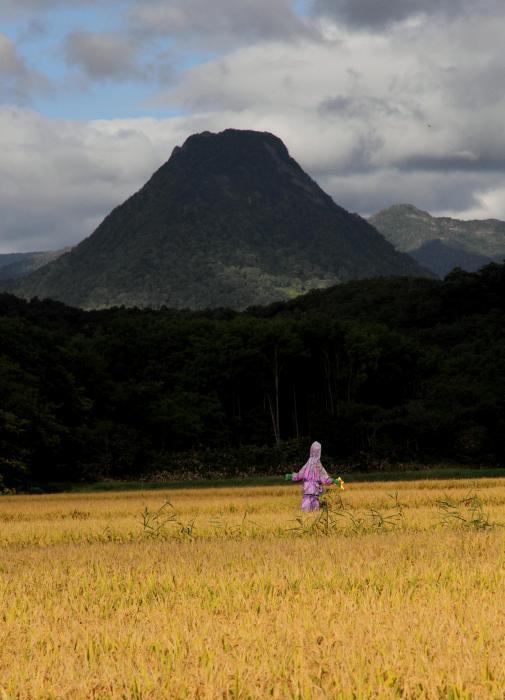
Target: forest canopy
[390, 369]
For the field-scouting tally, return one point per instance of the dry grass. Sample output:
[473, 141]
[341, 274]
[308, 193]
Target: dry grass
[92, 607]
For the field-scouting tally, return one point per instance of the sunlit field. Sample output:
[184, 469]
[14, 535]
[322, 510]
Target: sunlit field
[395, 590]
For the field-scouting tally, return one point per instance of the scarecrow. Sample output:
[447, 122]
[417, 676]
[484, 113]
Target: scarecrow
[313, 475]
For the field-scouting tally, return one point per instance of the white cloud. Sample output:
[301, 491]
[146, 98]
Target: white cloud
[59, 178]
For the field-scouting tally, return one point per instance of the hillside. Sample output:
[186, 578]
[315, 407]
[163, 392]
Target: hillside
[442, 243]
[14, 265]
[230, 220]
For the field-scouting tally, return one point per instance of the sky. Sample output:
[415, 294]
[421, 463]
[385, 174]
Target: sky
[381, 102]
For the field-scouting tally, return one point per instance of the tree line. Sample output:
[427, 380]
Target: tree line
[380, 371]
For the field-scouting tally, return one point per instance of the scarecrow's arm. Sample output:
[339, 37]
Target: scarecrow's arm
[295, 476]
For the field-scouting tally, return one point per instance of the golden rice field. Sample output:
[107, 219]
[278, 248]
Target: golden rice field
[227, 595]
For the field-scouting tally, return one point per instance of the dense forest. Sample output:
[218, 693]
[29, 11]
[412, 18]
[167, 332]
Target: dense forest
[380, 371]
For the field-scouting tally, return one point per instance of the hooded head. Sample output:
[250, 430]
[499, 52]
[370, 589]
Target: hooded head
[315, 450]
[313, 470]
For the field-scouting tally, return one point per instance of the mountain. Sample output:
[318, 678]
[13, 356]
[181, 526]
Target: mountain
[442, 243]
[441, 258]
[14, 265]
[229, 220]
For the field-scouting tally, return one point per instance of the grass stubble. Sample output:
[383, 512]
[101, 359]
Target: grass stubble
[226, 593]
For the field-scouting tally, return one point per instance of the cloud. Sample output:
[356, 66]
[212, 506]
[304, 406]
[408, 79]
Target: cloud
[375, 14]
[21, 8]
[17, 80]
[465, 161]
[464, 195]
[415, 106]
[117, 57]
[103, 55]
[223, 22]
[61, 178]
[412, 114]
[13, 8]
[10, 63]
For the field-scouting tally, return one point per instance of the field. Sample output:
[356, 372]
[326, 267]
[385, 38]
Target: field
[397, 591]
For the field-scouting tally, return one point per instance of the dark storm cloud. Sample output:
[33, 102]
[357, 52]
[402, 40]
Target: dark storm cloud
[380, 13]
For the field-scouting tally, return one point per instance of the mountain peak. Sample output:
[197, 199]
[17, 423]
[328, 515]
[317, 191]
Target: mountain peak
[235, 138]
[230, 151]
[404, 210]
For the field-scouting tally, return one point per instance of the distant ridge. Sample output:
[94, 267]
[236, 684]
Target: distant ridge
[14, 265]
[442, 243]
[230, 220]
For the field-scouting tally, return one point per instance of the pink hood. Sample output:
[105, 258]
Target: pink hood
[313, 470]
